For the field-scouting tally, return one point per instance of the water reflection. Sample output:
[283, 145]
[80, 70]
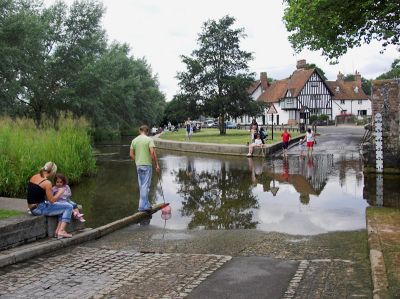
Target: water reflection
[391, 191]
[298, 195]
[219, 198]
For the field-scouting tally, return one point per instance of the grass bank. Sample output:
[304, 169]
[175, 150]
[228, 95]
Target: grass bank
[233, 136]
[8, 213]
[24, 149]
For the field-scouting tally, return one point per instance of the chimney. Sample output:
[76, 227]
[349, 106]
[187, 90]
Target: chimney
[264, 81]
[301, 64]
[357, 78]
[340, 77]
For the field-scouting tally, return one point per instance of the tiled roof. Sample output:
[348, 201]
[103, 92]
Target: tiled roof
[346, 90]
[298, 80]
[274, 92]
[278, 88]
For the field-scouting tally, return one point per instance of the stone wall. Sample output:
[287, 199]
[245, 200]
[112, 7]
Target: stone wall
[386, 100]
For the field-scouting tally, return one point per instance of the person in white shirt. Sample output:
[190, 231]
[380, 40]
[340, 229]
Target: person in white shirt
[257, 143]
[310, 139]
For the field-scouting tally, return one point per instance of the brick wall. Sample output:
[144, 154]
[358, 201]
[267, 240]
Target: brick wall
[386, 100]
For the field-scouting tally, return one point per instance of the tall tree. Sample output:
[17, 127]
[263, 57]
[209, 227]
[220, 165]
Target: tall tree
[53, 45]
[336, 26]
[56, 59]
[393, 73]
[117, 92]
[180, 108]
[217, 73]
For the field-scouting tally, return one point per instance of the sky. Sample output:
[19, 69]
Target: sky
[162, 31]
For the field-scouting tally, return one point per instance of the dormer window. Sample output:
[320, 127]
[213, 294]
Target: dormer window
[337, 89]
[356, 89]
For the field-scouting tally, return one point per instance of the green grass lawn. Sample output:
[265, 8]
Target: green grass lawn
[233, 136]
[9, 213]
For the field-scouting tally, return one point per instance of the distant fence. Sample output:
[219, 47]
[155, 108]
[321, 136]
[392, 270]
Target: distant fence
[269, 127]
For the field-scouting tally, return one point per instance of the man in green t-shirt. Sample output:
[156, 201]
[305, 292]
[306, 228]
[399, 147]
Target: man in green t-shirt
[143, 153]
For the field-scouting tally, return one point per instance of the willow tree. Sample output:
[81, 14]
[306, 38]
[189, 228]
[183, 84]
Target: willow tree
[217, 73]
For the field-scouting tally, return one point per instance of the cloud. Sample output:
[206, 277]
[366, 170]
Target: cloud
[161, 31]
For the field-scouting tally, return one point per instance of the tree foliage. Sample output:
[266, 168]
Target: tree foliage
[336, 26]
[393, 73]
[217, 75]
[180, 108]
[56, 59]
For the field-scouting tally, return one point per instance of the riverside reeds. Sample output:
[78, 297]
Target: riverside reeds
[24, 149]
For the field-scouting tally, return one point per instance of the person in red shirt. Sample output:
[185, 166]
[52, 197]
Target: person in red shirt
[285, 141]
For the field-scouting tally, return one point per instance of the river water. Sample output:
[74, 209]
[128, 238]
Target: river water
[298, 195]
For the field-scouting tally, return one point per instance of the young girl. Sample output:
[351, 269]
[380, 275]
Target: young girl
[310, 141]
[62, 182]
[257, 143]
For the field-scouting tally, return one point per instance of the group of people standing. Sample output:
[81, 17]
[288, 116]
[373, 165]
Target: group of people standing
[258, 136]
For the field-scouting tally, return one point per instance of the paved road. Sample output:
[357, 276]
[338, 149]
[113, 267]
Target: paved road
[150, 262]
[342, 140]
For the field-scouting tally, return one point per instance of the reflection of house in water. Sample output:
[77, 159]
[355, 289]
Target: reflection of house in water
[306, 175]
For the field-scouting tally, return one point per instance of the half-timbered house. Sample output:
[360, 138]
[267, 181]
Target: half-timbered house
[305, 91]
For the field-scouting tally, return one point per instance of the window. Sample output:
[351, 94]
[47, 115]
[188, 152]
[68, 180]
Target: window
[289, 101]
[362, 112]
[342, 102]
[360, 102]
[314, 84]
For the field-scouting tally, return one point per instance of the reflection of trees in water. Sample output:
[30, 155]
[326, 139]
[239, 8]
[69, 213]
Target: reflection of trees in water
[347, 163]
[217, 199]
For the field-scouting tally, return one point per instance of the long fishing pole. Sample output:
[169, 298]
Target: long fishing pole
[161, 189]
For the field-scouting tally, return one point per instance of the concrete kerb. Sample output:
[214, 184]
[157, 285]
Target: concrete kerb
[378, 269]
[222, 149]
[28, 251]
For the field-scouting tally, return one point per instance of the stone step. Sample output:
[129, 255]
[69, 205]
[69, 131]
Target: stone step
[26, 228]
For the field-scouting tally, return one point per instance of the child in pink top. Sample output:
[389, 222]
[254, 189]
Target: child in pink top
[62, 182]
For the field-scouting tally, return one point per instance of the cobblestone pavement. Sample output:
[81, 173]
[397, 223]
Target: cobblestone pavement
[333, 265]
[99, 273]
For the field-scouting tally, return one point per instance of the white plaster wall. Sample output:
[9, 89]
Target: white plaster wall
[283, 116]
[352, 106]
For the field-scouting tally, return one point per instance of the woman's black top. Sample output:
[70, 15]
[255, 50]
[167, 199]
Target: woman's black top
[36, 194]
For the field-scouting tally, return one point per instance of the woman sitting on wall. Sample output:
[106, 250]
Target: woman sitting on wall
[42, 202]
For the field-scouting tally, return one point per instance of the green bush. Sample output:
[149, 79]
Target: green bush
[313, 119]
[323, 117]
[24, 149]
